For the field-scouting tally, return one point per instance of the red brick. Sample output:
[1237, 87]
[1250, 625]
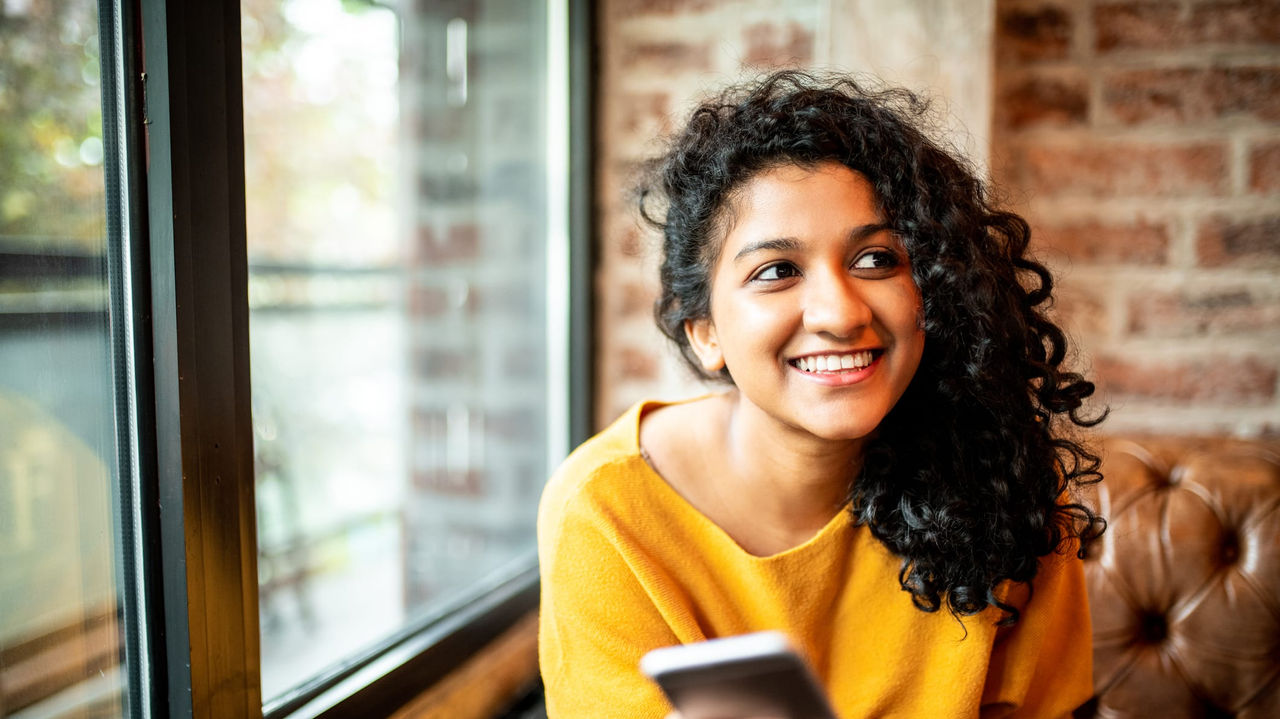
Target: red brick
[428, 302]
[463, 240]
[1188, 96]
[1142, 170]
[629, 8]
[424, 242]
[460, 243]
[667, 57]
[1030, 34]
[643, 115]
[1077, 309]
[1043, 101]
[1163, 25]
[1245, 243]
[637, 364]
[1139, 25]
[631, 242]
[1247, 22]
[1223, 381]
[1184, 314]
[1140, 243]
[773, 45]
[1264, 167]
[632, 300]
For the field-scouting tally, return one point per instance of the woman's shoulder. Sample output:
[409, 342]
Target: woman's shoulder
[610, 475]
[601, 459]
[606, 469]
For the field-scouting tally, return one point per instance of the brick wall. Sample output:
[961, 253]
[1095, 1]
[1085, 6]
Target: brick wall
[1142, 141]
[656, 58]
[470, 85]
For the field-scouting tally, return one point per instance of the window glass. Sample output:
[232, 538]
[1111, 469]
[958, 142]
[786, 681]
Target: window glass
[397, 218]
[59, 608]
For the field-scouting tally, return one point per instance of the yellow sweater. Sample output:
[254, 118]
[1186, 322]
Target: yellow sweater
[628, 565]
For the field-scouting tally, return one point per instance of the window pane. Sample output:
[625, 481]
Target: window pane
[59, 601]
[397, 240]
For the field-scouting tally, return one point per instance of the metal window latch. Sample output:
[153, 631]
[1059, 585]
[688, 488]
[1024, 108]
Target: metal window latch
[146, 115]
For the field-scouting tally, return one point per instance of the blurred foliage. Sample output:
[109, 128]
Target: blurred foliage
[321, 130]
[51, 182]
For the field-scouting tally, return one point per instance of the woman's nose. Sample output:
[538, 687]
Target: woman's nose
[835, 305]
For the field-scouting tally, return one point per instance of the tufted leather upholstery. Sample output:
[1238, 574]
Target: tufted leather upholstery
[1185, 584]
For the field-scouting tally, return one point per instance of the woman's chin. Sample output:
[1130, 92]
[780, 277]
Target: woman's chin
[840, 430]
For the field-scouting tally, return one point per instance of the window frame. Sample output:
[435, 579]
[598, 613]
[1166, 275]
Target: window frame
[142, 638]
[199, 317]
[187, 498]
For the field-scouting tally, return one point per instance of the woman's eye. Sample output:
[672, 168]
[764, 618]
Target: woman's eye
[780, 271]
[876, 260]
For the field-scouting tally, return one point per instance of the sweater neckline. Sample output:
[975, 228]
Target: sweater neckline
[828, 533]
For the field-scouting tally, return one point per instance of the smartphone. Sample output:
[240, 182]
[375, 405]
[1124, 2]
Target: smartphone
[750, 676]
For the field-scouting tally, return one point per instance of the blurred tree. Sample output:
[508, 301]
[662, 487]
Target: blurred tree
[51, 182]
[321, 112]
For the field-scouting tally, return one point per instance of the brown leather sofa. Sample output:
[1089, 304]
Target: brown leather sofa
[1185, 584]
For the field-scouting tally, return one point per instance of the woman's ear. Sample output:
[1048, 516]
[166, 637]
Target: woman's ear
[706, 344]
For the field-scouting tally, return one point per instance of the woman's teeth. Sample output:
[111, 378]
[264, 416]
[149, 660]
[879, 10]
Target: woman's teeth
[834, 363]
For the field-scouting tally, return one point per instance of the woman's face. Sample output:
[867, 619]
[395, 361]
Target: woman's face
[813, 309]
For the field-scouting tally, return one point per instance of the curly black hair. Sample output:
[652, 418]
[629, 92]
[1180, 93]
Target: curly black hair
[968, 479]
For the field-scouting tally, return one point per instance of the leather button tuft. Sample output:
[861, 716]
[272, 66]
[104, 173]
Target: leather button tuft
[1230, 549]
[1152, 628]
[1213, 711]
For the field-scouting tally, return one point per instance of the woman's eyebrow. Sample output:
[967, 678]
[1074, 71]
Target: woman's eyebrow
[777, 244]
[862, 232]
[791, 244]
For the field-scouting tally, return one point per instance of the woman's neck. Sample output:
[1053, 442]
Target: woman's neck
[768, 486]
[799, 479]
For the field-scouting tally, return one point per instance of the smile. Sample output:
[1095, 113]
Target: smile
[851, 361]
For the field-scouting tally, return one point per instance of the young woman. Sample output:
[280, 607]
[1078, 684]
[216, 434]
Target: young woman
[892, 442]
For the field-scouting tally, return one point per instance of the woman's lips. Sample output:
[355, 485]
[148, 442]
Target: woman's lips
[838, 368]
[834, 362]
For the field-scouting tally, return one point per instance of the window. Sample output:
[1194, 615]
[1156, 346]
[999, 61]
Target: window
[399, 186]
[60, 541]
[280, 429]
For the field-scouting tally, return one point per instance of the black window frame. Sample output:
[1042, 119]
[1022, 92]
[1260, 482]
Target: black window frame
[179, 306]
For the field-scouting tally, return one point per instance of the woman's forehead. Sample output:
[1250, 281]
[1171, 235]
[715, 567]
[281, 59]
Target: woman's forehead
[791, 201]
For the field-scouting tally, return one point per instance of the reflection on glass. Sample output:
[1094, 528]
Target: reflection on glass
[59, 637]
[396, 218]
